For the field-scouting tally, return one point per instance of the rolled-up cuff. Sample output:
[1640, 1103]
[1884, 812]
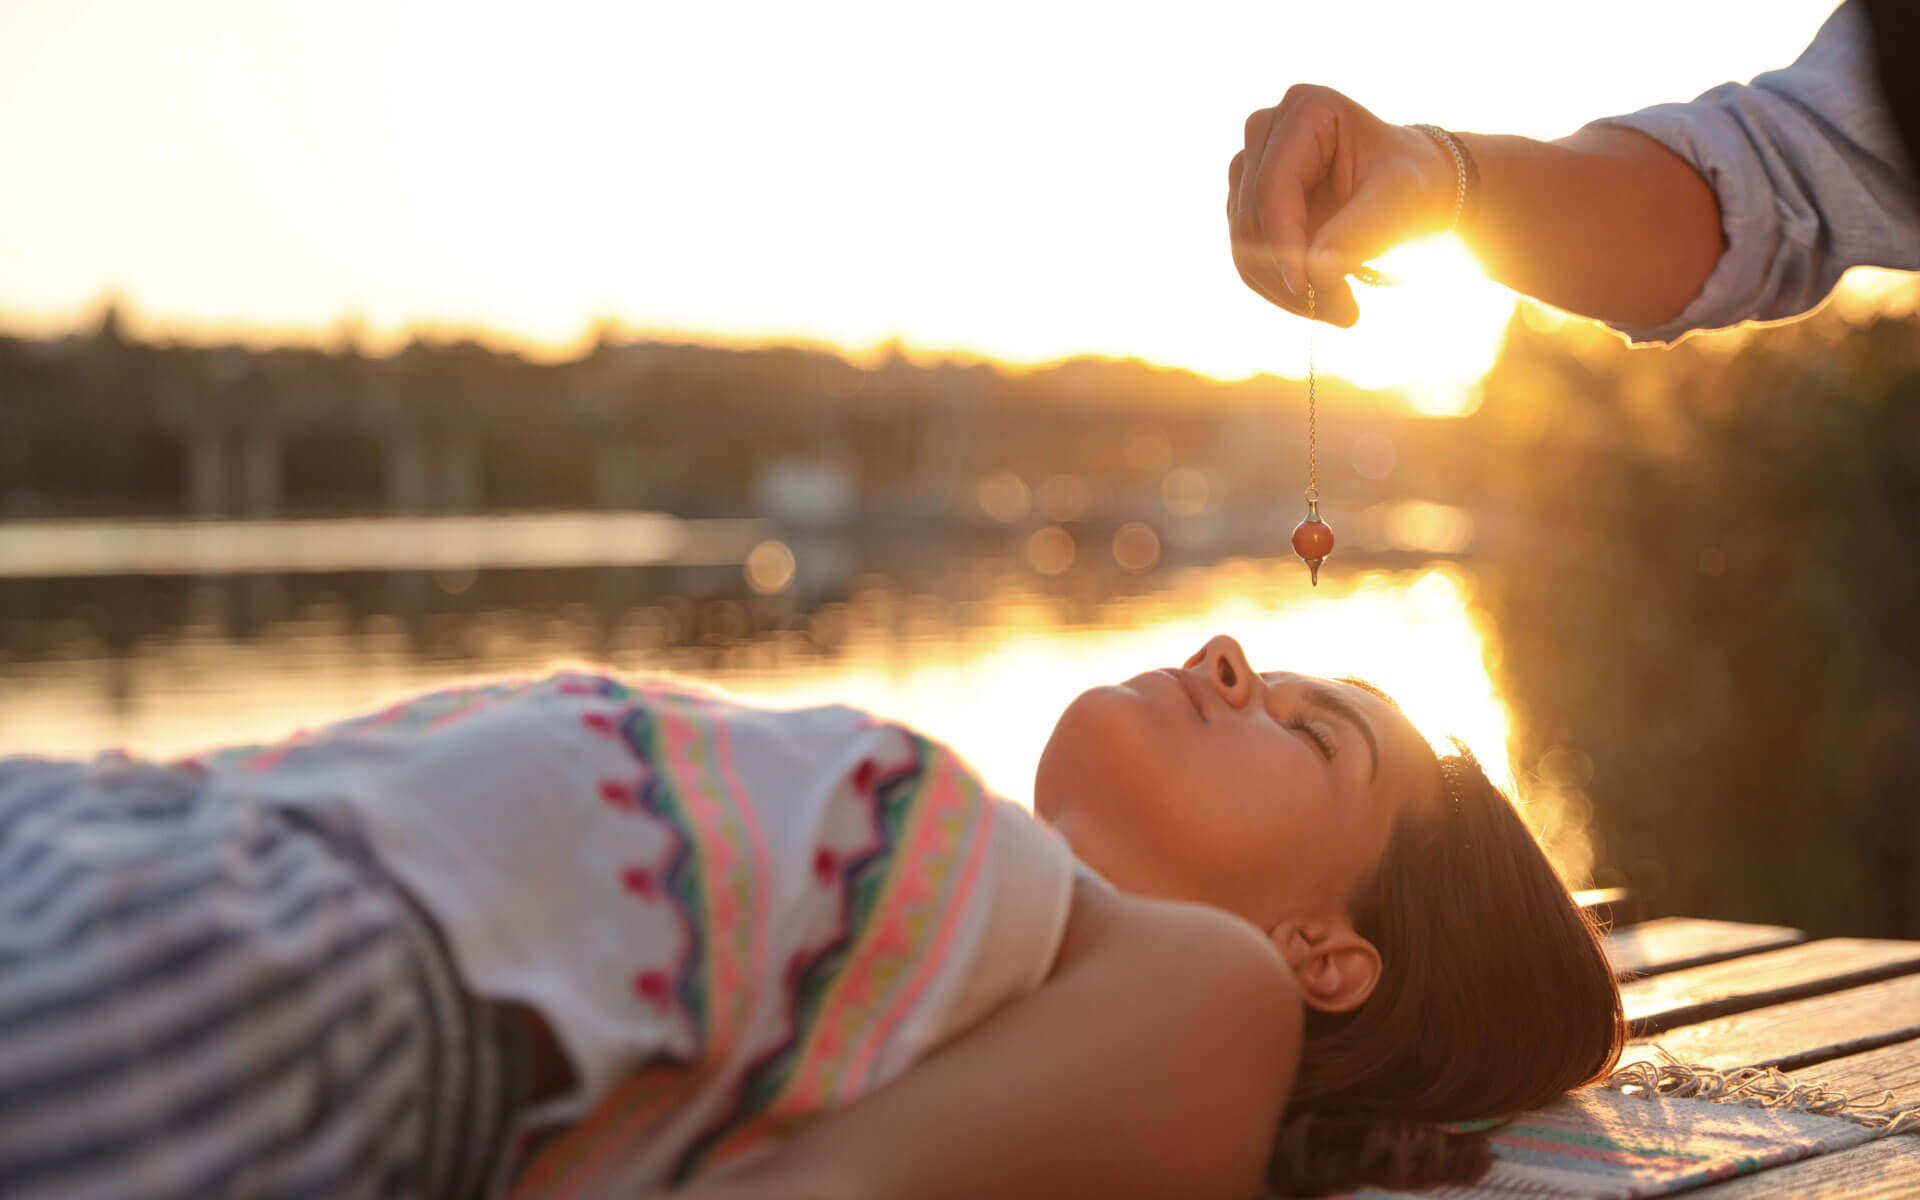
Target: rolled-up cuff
[1749, 220]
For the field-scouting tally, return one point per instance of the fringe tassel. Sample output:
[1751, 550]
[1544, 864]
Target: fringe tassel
[1762, 1087]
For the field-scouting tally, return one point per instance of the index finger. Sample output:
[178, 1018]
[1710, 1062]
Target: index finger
[1252, 252]
[1254, 264]
[1296, 157]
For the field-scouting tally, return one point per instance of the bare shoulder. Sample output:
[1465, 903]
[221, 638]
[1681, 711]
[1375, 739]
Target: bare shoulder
[1195, 950]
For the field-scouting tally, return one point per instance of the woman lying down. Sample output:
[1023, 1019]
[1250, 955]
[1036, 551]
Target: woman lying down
[590, 936]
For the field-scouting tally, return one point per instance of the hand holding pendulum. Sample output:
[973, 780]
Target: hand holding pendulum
[1312, 538]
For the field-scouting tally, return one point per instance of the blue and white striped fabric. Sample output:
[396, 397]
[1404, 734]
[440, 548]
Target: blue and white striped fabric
[203, 997]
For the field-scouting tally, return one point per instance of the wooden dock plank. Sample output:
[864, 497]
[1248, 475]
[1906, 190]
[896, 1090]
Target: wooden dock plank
[1676, 943]
[1888, 1169]
[1757, 980]
[1894, 1068]
[1796, 1033]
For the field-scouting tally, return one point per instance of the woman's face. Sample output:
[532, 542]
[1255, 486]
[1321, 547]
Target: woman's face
[1271, 796]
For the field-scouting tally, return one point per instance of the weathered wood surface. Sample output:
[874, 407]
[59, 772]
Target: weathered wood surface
[1798, 1032]
[1888, 1169]
[1894, 1068]
[1758, 980]
[1676, 943]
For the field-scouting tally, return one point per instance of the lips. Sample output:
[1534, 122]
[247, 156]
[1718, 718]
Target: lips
[1195, 690]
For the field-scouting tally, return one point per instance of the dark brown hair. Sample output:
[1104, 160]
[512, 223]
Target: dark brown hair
[1494, 997]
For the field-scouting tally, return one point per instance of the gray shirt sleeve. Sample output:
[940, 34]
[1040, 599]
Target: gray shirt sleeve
[1810, 175]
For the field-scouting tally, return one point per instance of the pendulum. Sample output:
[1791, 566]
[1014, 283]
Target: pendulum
[1313, 537]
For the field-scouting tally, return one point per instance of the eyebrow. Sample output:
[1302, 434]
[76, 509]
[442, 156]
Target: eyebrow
[1338, 705]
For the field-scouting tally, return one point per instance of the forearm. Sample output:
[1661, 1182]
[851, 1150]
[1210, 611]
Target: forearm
[1606, 223]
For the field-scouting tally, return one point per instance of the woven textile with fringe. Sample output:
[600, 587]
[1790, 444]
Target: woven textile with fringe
[1655, 1128]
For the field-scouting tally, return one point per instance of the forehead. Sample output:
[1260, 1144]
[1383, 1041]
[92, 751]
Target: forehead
[1361, 696]
[1397, 734]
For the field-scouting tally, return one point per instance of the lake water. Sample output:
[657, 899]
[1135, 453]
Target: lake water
[976, 649]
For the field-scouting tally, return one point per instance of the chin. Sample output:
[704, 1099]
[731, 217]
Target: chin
[1100, 759]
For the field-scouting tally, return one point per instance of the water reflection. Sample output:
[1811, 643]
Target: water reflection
[987, 667]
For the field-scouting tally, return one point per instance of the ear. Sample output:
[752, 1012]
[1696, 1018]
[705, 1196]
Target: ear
[1335, 967]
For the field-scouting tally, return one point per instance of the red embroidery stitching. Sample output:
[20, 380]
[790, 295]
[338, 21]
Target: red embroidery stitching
[600, 723]
[639, 881]
[651, 986]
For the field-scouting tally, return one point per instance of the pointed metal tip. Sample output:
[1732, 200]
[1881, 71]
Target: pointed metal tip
[1313, 570]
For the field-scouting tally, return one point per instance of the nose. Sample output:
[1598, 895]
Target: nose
[1224, 664]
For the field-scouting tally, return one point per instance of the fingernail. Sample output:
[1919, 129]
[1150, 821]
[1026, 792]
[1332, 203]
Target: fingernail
[1286, 277]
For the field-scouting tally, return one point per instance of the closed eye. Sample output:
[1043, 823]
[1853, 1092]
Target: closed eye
[1316, 731]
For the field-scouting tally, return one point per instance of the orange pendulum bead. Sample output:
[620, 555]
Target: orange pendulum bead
[1313, 540]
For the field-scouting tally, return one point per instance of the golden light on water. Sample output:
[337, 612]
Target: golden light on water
[989, 677]
[1413, 634]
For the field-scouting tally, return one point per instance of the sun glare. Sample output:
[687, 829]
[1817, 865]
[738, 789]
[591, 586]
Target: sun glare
[1434, 333]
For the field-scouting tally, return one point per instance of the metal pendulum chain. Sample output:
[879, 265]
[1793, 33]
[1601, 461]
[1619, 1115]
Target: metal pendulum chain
[1313, 410]
[1312, 538]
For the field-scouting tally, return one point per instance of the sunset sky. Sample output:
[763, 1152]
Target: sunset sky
[1025, 181]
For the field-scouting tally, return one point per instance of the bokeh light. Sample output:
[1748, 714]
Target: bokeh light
[1004, 497]
[1050, 550]
[769, 567]
[1136, 547]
